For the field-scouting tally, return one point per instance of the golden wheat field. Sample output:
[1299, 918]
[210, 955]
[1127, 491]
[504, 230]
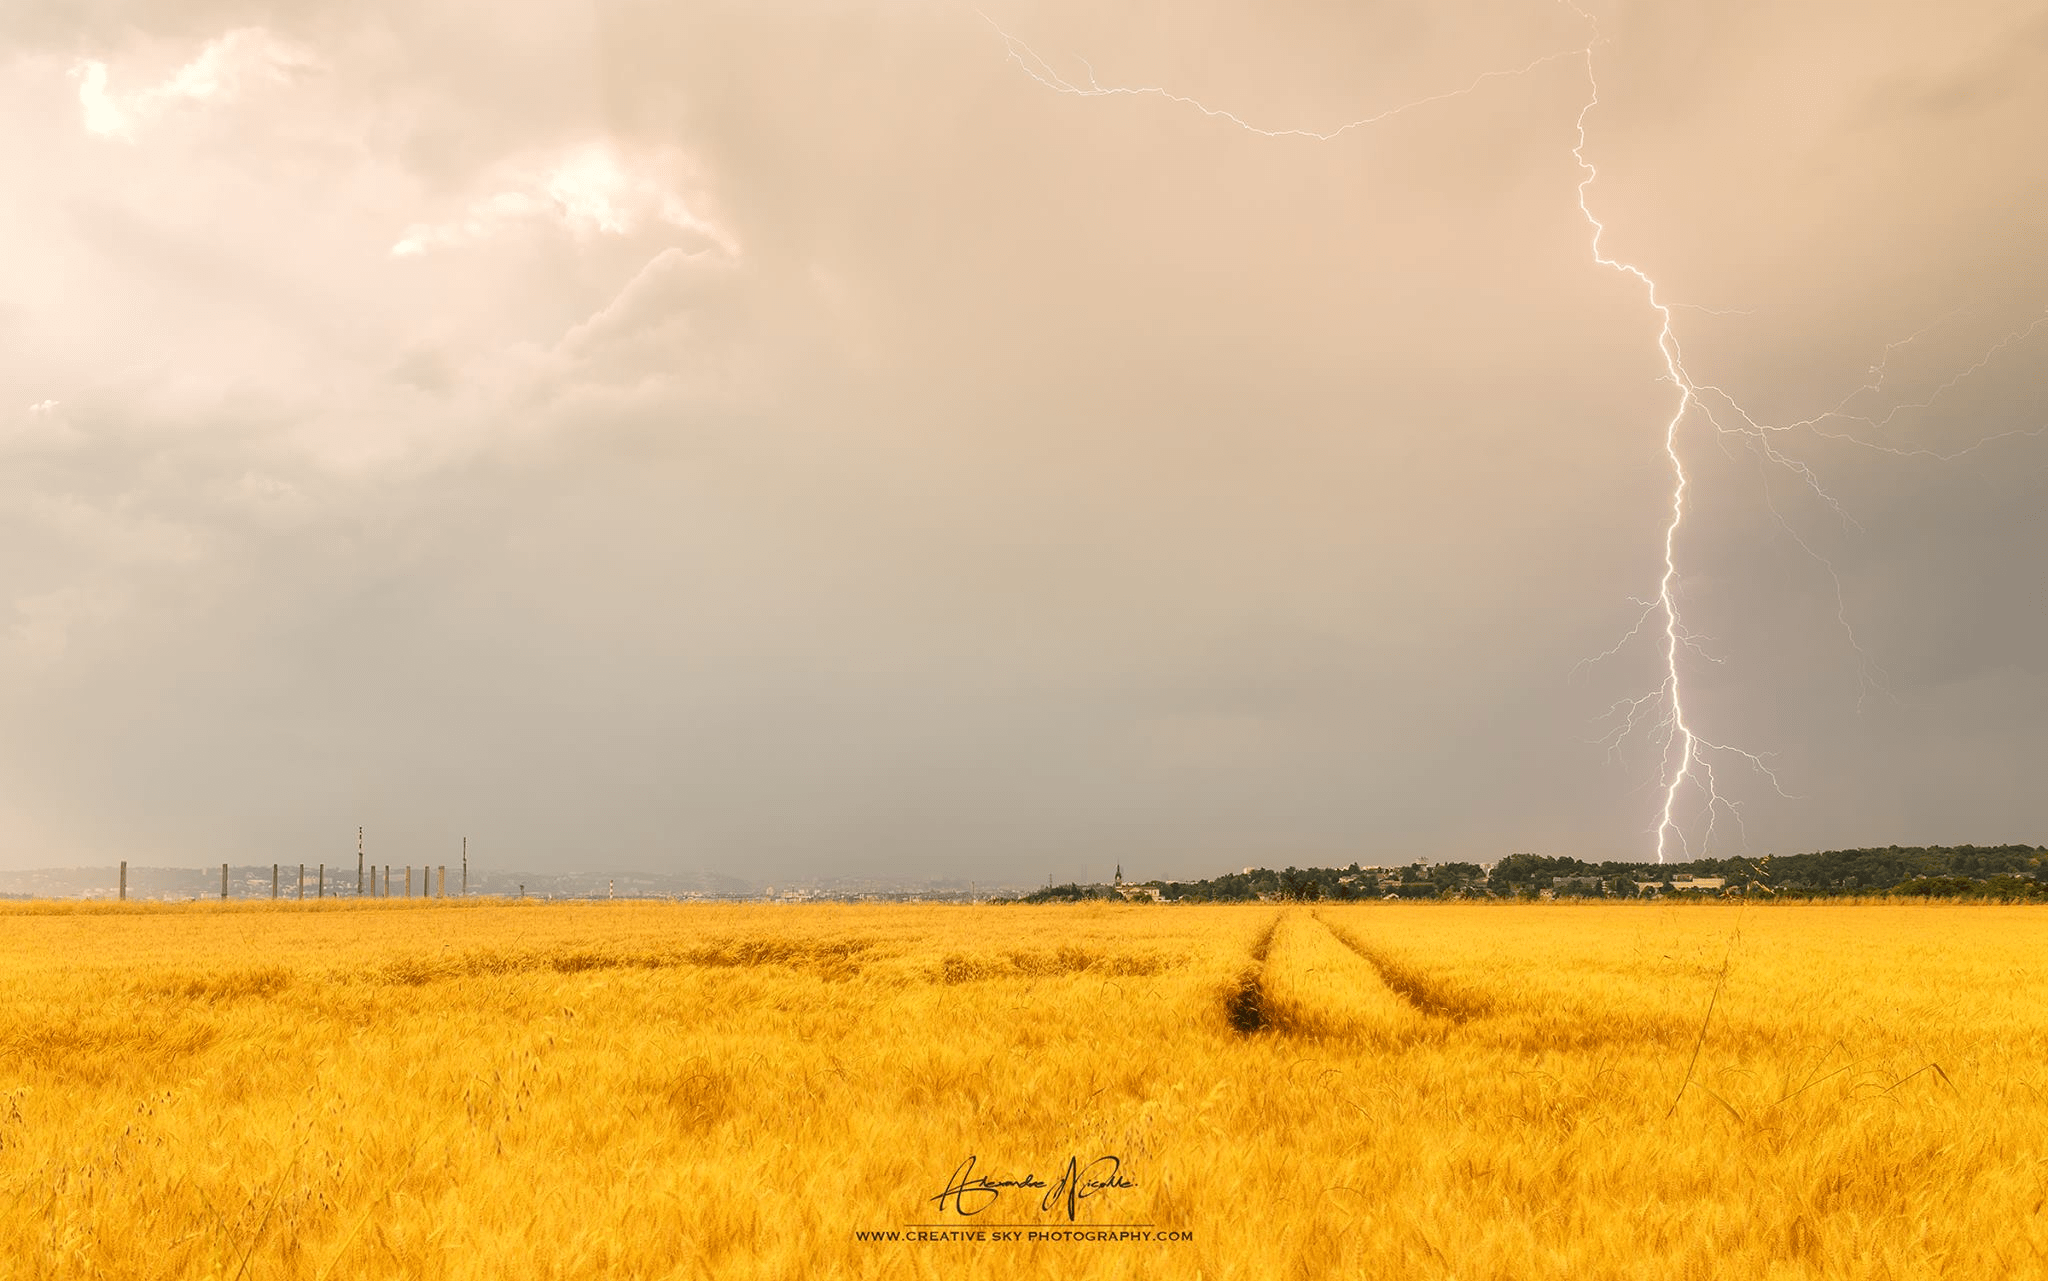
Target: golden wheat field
[489, 1089]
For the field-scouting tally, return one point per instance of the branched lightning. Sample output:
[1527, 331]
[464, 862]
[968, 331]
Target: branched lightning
[1687, 757]
[1684, 753]
[1042, 71]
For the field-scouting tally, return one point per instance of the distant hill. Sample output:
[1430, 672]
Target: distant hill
[1946, 871]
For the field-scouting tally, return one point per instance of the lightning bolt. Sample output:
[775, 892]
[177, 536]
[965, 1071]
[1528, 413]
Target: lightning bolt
[1042, 71]
[1685, 752]
[1687, 757]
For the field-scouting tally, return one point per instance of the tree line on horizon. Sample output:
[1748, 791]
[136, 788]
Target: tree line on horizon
[1995, 872]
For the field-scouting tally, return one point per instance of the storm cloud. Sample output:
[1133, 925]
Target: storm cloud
[793, 438]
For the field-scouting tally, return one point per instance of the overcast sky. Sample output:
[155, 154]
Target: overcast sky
[783, 438]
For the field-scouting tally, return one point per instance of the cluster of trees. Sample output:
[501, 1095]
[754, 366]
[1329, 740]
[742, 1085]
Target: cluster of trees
[2004, 872]
[1294, 884]
[2005, 889]
[1071, 892]
[1957, 871]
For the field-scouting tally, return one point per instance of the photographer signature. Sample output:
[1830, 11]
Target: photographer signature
[971, 1193]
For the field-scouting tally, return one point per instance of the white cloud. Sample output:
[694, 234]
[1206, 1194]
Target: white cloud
[43, 406]
[224, 69]
[103, 116]
[587, 191]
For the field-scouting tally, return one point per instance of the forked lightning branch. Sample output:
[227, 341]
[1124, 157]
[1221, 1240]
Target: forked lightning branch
[1692, 801]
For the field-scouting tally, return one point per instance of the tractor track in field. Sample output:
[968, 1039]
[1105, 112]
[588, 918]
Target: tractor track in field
[1426, 995]
[1245, 1007]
